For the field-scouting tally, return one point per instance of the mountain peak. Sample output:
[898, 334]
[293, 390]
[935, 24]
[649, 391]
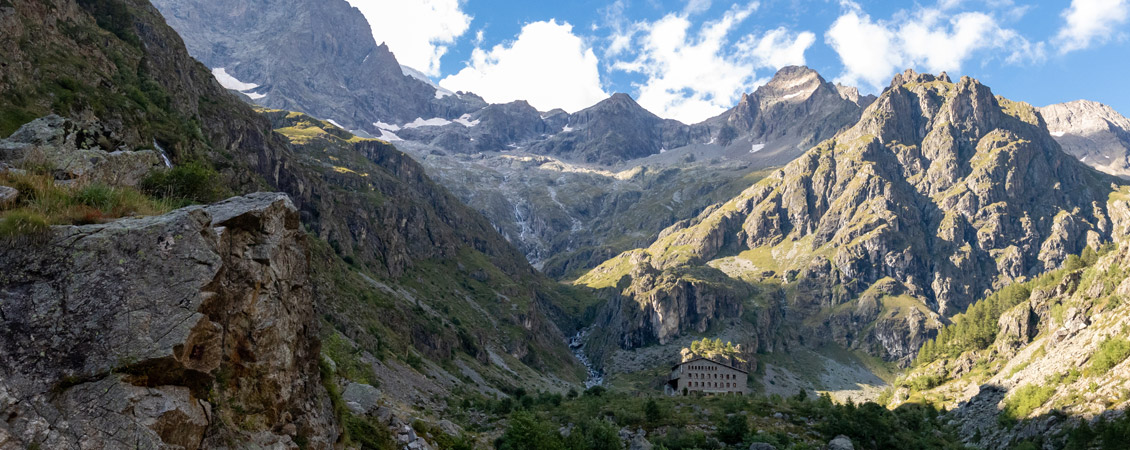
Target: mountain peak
[910, 76]
[790, 81]
[618, 103]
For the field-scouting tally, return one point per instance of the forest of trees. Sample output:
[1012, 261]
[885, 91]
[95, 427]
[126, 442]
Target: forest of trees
[714, 348]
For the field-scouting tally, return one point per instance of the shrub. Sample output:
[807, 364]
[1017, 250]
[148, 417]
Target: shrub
[1110, 353]
[734, 430]
[370, 435]
[528, 432]
[22, 223]
[192, 182]
[594, 435]
[1027, 399]
[98, 196]
[925, 382]
[652, 412]
[595, 391]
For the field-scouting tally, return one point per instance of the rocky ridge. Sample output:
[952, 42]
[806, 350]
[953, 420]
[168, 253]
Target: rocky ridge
[1093, 132]
[937, 195]
[186, 330]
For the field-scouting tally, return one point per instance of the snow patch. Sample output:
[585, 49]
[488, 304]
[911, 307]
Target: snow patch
[335, 123]
[433, 122]
[1058, 133]
[466, 121]
[386, 126]
[794, 94]
[797, 82]
[1084, 159]
[254, 95]
[389, 136]
[567, 129]
[756, 148]
[230, 82]
[662, 151]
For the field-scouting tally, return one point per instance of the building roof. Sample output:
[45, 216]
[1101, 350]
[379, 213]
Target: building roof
[700, 358]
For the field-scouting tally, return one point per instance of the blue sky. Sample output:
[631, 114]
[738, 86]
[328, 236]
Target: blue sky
[691, 59]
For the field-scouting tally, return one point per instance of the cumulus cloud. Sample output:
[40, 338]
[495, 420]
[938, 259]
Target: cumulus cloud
[778, 47]
[696, 72]
[931, 39]
[1091, 22]
[547, 65]
[417, 31]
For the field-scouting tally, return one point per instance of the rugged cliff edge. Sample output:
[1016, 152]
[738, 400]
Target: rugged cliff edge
[191, 329]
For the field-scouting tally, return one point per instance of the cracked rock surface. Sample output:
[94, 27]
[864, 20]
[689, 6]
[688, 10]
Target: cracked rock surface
[151, 332]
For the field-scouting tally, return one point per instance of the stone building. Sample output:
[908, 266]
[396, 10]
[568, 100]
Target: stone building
[708, 377]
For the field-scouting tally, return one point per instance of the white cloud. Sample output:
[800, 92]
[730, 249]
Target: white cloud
[930, 39]
[547, 65]
[693, 74]
[778, 47]
[1091, 22]
[417, 31]
[696, 6]
[868, 50]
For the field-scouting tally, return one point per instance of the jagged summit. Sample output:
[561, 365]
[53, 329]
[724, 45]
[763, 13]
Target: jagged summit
[796, 109]
[316, 57]
[911, 76]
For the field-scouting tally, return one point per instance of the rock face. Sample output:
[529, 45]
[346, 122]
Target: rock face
[185, 330]
[795, 110]
[1093, 132]
[90, 154]
[615, 130]
[317, 57]
[941, 188]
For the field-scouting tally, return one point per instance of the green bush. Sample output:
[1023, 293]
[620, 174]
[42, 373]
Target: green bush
[1027, 399]
[98, 196]
[369, 435]
[528, 432]
[733, 431]
[595, 391]
[192, 182]
[594, 435]
[22, 223]
[924, 382]
[1110, 353]
[652, 412]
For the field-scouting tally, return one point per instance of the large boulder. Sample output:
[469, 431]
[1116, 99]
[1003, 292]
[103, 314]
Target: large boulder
[191, 329]
[840, 442]
[73, 151]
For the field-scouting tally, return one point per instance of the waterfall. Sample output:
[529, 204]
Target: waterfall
[164, 156]
[577, 345]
